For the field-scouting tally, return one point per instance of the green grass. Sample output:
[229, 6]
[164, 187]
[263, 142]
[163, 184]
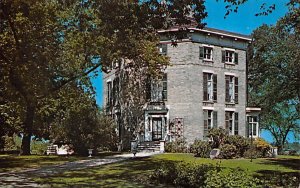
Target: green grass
[9, 163]
[136, 172]
[281, 164]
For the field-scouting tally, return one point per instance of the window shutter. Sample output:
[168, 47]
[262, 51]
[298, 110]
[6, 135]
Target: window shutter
[215, 85]
[223, 56]
[205, 123]
[227, 117]
[236, 90]
[114, 92]
[164, 49]
[227, 80]
[215, 119]
[236, 58]
[148, 89]
[205, 97]
[236, 123]
[201, 52]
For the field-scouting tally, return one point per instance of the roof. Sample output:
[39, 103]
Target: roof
[214, 31]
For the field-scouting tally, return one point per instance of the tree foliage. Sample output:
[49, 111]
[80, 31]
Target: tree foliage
[46, 45]
[274, 75]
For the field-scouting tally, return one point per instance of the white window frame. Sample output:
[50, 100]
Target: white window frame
[208, 51]
[231, 88]
[251, 125]
[232, 122]
[229, 54]
[210, 119]
[210, 86]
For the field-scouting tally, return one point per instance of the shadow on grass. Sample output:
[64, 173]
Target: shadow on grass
[279, 178]
[129, 173]
[10, 163]
[285, 162]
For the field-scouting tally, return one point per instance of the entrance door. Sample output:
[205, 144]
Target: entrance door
[157, 129]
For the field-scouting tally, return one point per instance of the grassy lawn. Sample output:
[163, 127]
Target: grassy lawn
[136, 172]
[10, 163]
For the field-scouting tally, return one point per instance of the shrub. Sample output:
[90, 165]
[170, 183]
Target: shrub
[241, 143]
[182, 174]
[201, 148]
[207, 176]
[228, 151]
[234, 178]
[177, 146]
[262, 147]
[251, 153]
[218, 136]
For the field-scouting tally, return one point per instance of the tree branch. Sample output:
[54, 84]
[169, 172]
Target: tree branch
[65, 82]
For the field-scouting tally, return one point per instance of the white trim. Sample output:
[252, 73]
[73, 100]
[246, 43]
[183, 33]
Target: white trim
[208, 108]
[222, 34]
[229, 49]
[213, 32]
[230, 109]
[253, 109]
[108, 80]
[230, 74]
[207, 45]
[208, 71]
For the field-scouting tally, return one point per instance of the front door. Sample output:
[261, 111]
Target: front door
[157, 129]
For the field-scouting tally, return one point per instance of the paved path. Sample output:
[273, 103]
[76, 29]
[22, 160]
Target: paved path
[22, 179]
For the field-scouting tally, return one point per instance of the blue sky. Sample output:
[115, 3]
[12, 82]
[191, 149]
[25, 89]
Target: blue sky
[243, 22]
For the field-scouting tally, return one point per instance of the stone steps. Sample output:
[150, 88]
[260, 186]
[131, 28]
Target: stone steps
[150, 146]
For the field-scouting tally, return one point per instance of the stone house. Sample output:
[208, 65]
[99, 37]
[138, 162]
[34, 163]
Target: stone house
[205, 87]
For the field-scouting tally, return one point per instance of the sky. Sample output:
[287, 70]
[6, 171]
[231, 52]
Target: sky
[243, 22]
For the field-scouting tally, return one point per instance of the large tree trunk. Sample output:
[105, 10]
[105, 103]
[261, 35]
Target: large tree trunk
[28, 124]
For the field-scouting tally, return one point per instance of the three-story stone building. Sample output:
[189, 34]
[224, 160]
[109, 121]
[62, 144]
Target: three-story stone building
[205, 87]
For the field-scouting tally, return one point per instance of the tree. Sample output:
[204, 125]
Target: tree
[46, 45]
[274, 75]
[83, 125]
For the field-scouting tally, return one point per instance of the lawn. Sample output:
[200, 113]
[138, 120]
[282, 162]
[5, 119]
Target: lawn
[9, 163]
[136, 172]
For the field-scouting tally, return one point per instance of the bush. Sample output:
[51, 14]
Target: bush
[182, 174]
[218, 136]
[241, 143]
[262, 147]
[251, 153]
[178, 146]
[200, 148]
[228, 151]
[234, 178]
[207, 176]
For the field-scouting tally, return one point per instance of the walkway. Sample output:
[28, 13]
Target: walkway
[22, 179]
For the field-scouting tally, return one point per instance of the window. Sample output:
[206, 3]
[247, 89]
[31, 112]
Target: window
[230, 57]
[209, 87]
[163, 49]
[210, 121]
[109, 94]
[231, 86]
[205, 53]
[158, 89]
[252, 126]
[165, 87]
[231, 122]
[115, 90]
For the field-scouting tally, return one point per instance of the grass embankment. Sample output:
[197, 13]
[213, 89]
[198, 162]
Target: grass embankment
[136, 172]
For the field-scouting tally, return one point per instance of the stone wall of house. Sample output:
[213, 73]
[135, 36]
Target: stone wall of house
[185, 82]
